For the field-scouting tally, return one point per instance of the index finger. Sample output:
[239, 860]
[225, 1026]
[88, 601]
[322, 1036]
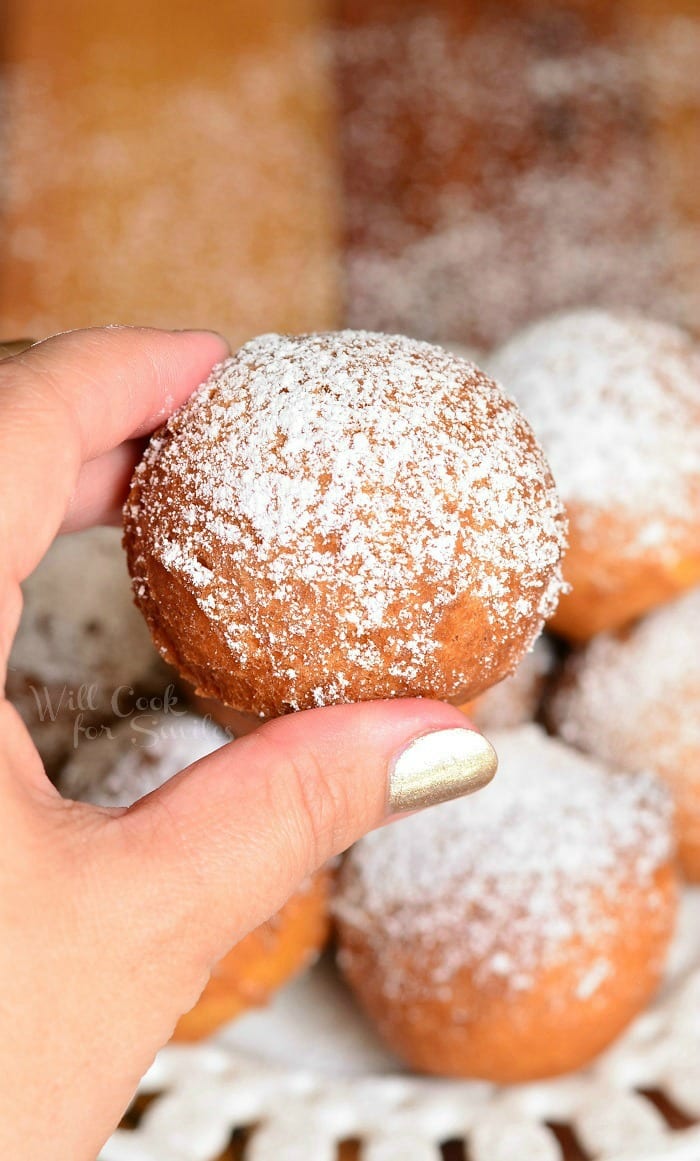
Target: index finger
[69, 400]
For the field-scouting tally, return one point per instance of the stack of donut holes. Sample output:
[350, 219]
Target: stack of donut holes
[615, 401]
[502, 937]
[347, 516]
[354, 515]
[343, 516]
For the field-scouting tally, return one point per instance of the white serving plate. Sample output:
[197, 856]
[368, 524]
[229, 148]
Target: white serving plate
[309, 1072]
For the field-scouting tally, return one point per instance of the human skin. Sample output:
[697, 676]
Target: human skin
[111, 920]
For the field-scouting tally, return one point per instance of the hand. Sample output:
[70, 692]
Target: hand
[112, 920]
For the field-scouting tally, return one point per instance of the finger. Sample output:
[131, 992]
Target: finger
[102, 487]
[69, 400]
[222, 845]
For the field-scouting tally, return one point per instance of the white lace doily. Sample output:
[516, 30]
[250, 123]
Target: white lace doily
[308, 1073]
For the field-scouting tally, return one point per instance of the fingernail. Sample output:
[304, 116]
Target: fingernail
[439, 766]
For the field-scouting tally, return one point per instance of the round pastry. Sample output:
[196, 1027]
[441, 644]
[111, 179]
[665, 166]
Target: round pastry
[136, 757]
[132, 757]
[517, 699]
[633, 700]
[266, 959]
[82, 654]
[615, 401]
[513, 935]
[344, 516]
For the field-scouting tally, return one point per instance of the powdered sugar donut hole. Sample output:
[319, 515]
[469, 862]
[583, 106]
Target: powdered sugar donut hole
[615, 401]
[344, 516]
[632, 699]
[135, 756]
[514, 934]
[81, 646]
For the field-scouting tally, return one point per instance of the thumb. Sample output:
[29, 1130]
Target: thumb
[151, 898]
[223, 844]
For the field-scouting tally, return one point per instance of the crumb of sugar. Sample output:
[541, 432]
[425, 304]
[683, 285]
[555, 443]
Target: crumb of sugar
[501, 883]
[368, 464]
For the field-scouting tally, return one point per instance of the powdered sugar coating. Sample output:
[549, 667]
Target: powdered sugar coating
[136, 756]
[633, 699]
[501, 883]
[615, 401]
[353, 489]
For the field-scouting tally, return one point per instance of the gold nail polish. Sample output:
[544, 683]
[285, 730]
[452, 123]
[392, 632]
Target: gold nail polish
[439, 766]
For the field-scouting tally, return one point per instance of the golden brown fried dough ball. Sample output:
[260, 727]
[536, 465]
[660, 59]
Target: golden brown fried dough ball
[632, 700]
[344, 516]
[513, 935]
[615, 401]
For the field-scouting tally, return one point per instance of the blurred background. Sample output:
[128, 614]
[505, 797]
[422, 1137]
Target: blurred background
[445, 169]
